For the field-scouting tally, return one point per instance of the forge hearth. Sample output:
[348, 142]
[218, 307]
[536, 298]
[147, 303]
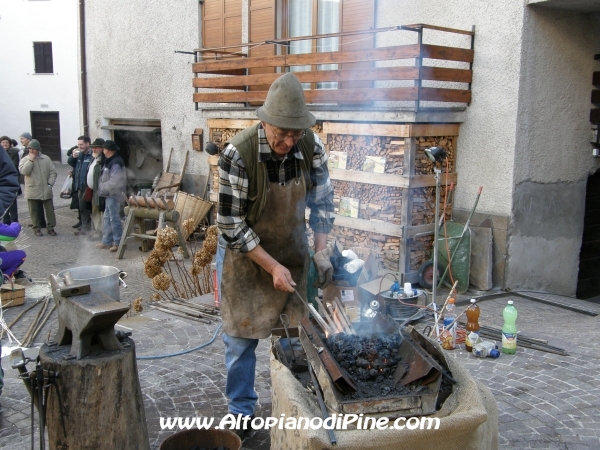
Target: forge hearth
[375, 373]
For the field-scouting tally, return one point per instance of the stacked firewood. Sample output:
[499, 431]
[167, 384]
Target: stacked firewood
[425, 166]
[359, 147]
[423, 211]
[375, 202]
[420, 251]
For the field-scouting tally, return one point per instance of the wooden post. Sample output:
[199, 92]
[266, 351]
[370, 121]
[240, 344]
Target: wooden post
[101, 398]
[410, 154]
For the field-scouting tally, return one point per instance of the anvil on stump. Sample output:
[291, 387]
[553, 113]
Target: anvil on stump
[83, 317]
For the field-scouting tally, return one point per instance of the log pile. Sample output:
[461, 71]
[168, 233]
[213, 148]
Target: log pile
[423, 211]
[420, 251]
[425, 166]
[376, 202]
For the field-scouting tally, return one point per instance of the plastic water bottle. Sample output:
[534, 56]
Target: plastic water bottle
[354, 266]
[449, 317]
[509, 330]
[472, 327]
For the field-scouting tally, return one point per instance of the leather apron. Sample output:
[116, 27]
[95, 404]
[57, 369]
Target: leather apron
[250, 305]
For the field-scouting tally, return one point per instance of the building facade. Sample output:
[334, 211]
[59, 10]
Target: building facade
[525, 136]
[39, 91]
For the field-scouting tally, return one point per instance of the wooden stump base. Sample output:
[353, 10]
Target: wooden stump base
[101, 398]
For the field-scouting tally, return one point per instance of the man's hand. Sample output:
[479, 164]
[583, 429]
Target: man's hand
[30, 156]
[282, 279]
[323, 265]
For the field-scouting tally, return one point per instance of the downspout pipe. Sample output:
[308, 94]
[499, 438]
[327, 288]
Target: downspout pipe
[82, 58]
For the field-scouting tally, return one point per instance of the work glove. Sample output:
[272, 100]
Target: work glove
[324, 268]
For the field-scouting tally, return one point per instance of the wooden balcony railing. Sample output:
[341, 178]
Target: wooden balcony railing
[241, 85]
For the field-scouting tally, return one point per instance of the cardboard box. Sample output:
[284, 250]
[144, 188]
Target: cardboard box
[350, 295]
[12, 295]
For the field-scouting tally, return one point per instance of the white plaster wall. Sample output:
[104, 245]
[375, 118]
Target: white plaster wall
[21, 90]
[553, 127]
[485, 155]
[134, 73]
[553, 156]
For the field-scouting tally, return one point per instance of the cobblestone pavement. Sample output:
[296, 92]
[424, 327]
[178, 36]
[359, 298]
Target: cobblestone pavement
[545, 400]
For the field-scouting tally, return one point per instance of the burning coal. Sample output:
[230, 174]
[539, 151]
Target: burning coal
[372, 357]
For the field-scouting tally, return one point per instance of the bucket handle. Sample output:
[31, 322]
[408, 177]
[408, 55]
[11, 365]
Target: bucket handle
[121, 276]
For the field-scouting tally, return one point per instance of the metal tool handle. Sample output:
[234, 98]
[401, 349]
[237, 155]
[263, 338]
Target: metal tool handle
[287, 333]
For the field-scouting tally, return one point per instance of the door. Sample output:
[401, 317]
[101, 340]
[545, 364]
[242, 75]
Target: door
[588, 284]
[45, 127]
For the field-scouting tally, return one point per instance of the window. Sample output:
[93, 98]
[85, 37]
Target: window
[42, 55]
[301, 20]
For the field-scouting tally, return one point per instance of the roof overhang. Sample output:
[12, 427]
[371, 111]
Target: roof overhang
[581, 6]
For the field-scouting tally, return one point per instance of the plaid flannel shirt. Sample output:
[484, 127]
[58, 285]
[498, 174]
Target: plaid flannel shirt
[233, 190]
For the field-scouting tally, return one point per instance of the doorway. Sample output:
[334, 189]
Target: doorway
[45, 127]
[588, 282]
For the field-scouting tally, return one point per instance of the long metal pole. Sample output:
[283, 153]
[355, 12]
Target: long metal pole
[436, 231]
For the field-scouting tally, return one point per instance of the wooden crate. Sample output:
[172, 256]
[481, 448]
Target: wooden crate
[12, 295]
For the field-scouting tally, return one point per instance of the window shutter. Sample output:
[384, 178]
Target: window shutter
[262, 27]
[38, 56]
[357, 15]
[48, 62]
[221, 23]
[42, 56]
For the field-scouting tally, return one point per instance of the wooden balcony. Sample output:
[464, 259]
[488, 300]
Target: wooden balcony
[429, 76]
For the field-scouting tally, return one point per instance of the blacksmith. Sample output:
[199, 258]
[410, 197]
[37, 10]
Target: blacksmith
[268, 174]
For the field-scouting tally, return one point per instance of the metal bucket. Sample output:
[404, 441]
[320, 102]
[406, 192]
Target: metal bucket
[211, 438]
[105, 279]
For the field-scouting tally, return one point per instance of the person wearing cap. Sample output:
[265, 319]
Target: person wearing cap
[80, 160]
[25, 139]
[12, 215]
[269, 173]
[40, 176]
[93, 178]
[111, 185]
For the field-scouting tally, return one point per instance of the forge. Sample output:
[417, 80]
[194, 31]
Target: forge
[380, 373]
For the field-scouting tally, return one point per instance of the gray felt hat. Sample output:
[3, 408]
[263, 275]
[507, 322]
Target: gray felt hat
[26, 135]
[35, 144]
[285, 106]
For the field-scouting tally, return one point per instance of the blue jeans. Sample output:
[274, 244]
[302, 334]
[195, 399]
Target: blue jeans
[240, 359]
[112, 228]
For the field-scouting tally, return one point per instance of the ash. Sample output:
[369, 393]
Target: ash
[371, 361]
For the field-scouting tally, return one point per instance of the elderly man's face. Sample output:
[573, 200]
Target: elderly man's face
[34, 152]
[5, 144]
[96, 151]
[282, 141]
[24, 141]
[83, 146]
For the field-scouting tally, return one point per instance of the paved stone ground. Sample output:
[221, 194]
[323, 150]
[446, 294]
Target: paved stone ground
[545, 400]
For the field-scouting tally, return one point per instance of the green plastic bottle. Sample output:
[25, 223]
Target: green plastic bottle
[509, 330]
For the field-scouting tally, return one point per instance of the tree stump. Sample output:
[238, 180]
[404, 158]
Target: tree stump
[101, 398]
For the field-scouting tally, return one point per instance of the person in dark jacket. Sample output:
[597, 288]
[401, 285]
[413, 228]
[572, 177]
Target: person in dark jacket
[9, 187]
[111, 186]
[13, 152]
[9, 182]
[80, 160]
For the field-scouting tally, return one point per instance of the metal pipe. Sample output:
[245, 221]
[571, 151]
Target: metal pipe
[436, 231]
[82, 59]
